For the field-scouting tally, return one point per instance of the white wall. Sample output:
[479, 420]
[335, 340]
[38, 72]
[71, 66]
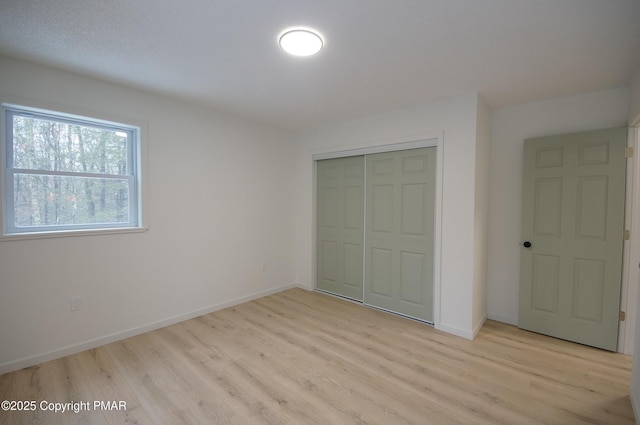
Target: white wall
[219, 192]
[454, 122]
[481, 218]
[510, 126]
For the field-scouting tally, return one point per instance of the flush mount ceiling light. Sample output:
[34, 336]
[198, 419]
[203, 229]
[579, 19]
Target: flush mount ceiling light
[301, 42]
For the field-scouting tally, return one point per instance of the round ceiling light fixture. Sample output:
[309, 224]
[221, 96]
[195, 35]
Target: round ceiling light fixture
[301, 42]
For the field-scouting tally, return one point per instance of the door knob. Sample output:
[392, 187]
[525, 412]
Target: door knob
[527, 244]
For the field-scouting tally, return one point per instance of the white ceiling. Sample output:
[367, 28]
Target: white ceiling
[379, 55]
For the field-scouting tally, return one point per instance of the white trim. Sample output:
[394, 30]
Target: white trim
[478, 326]
[454, 330]
[4, 129]
[71, 233]
[314, 226]
[631, 253]
[437, 252]
[504, 319]
[423, 143]
[364, 229]
[107, 339]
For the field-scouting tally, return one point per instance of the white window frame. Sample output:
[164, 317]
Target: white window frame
[7, 172]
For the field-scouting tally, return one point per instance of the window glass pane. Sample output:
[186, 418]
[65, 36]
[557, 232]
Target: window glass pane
[43, 144]
[44, 200]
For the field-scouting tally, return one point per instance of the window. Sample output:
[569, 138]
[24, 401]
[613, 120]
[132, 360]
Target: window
[62, 172]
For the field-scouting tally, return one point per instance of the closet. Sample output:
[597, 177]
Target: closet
[375, 229]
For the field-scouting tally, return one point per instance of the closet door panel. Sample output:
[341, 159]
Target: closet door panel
[399, 235]
[340, 226]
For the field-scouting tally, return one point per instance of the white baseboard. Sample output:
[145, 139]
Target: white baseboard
[509, 320]
[464, 333]
[307, 286]
[634, 403]
[107, 339]
[479, 326]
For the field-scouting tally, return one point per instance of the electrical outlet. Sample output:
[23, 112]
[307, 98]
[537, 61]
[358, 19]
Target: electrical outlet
[74, 303]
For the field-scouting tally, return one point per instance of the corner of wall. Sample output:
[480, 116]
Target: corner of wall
[478, 325]
[481, 214]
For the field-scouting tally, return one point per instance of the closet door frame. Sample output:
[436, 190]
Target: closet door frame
[422, 142]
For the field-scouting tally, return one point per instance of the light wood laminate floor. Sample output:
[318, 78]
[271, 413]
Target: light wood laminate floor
[302, 357]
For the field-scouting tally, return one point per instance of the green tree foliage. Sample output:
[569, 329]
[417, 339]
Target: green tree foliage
[68, 173]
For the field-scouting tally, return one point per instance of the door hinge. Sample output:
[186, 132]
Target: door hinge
[627, 235]
[628, 153]
[623, 315]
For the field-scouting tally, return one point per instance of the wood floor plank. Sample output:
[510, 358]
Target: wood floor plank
[300, 357]
[70, 385]
[165, 384]
[29, 384]
[105, 383]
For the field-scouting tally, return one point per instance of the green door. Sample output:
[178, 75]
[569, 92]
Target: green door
[399, 237]
[572, 236]
[340, 226]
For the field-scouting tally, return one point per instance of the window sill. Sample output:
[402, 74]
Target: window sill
[70, 233]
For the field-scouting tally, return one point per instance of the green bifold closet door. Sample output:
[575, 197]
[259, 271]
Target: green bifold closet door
[375, 235]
